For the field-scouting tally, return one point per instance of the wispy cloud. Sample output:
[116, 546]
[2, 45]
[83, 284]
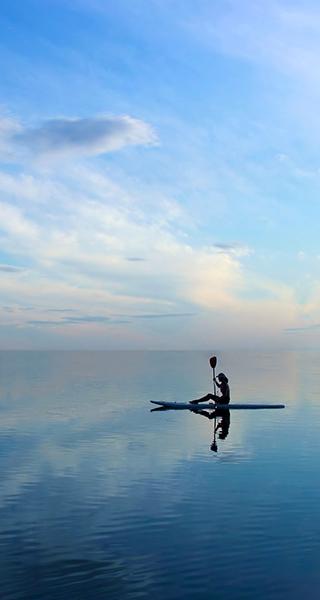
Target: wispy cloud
[306, 329]
[281, 34]
[163, 316]
[87, 319]
[101, 320]
[71, 320]
[235, 249]
[60, 310]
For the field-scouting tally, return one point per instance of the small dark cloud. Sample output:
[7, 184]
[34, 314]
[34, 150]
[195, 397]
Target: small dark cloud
[95, 135]
[16, 308]
[118, 321]
[227, 248]
[224, 246]
[71, 320]
[46, 323]
[135, 258]
[233, 248]
[302, 329]
[86, 319]
[163, 316]
[60, 310]
[11, 269]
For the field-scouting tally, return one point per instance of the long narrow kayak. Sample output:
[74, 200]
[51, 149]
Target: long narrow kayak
[212, 406]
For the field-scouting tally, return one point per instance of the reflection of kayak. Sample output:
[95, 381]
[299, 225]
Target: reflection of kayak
[211, 405]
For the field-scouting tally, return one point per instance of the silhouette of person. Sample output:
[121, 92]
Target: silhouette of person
[223, 384]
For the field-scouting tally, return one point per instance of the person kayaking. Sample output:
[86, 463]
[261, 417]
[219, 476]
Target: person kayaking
[223, 384]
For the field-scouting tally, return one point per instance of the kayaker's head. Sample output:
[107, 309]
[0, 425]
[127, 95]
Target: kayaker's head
[223, 377]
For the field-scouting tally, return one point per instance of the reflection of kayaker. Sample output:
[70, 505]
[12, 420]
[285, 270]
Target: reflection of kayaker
[222, 425]
[223, 384]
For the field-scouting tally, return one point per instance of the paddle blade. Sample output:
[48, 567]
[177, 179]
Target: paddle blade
[213, 362]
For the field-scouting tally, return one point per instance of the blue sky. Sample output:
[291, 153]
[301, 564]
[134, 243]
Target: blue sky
[159, 174]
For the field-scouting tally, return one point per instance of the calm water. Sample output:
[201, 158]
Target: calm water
[102, 499]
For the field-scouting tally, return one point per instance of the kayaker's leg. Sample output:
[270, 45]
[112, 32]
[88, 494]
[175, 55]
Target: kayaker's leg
[204, 399]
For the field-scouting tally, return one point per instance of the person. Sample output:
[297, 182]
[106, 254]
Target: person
[223, 384]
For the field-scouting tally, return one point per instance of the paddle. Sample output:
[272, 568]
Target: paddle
[213, 363]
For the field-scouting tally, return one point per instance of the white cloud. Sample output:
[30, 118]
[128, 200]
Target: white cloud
[77, 254]
[15, 225]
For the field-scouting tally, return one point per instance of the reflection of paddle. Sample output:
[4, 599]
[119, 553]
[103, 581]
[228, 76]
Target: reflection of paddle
[213, 363]
[214, 445]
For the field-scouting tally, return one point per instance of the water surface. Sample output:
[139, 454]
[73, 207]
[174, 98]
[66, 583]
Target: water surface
[100, 498]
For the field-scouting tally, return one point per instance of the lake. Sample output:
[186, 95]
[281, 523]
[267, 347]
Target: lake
[103, 499]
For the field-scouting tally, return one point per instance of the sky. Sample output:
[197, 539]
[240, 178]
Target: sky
[159, 174]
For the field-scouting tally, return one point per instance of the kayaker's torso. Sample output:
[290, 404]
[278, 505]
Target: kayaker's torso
[225, 392]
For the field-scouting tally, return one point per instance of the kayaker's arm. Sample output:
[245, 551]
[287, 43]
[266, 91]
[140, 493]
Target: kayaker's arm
[217, 383]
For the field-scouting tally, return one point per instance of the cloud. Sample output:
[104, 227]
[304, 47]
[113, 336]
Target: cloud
[263, 32]
[135, 259]
[235, 249]
[45, 323]
[163, 316]
[9, 127]
[87, 319]
[98, 319]
[10, 269]
[72, 137]
[60, 310]
[308, 328]
[77, 248]
[71, 320]
[13, 222]
[86, 136]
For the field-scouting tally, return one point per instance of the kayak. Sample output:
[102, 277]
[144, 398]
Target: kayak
[213, 406]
